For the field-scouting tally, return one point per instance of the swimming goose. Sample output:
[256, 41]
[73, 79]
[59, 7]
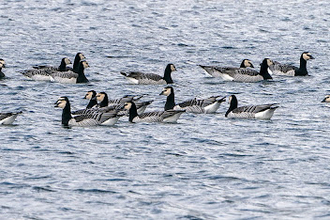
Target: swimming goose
[246, 74]
[265, 111]
[42, 73]
[70, 76]
[160, 116]
[209, 105]
[216, 71]
[326, 98]
[151, 78]
[85, 119]
[2, 65]
[8, 118]
[79, 56]
[289, 70]
[103, 100]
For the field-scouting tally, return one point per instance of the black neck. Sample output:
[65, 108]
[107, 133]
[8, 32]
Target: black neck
[76, 62]
[66, 114]
[92, 103]
[264, 70]
[105, 101]
[302, 71]
[167, 74]
[1, 73]
[62, 67]
[233, 105]
[132, 112]
[81, 75]
[170, 102]
[242, 64]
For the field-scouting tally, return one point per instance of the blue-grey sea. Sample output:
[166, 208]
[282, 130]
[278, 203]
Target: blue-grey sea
[203, 166]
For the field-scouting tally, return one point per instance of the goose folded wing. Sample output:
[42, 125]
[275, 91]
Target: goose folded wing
[65, 74]
[5, 115]
[254, 108]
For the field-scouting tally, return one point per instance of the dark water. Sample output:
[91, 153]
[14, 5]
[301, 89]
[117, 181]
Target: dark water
[203, 167]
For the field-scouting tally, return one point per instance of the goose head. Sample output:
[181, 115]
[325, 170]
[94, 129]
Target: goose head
[247, 63]
[307, 56]
[168, 90]
[90, 94]
[61, 102]
[326, 98]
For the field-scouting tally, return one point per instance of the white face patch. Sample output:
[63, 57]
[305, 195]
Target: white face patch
[167, 91]
[2, 62]
[67, 61]
[89, 95]
[85, 64]
[100, 97]
[81, 56]
[327, 98]
[173, 68]
[306, 56]
[61, 103]
[247, 63]
[229, 99]
[128, 105]
[269, 62]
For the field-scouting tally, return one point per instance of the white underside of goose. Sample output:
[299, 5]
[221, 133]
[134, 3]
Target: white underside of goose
[110, 121]
[39, 77]
[65, 80]
[132, 80]
[224, 76]
[146, 81]
[173, 118]
[212, 108]
[9, 120]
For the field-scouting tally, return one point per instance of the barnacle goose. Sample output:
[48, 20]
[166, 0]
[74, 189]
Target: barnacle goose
[159, 116]
[104, 101]
[79, 56]
[151, 78]
[42, 73]
[216, 71]
[246, 74]
[8, 118]
[85, 119]
[326, 98]
[2, 65]
[70, 76]
[290, 70]
[265, 111]
[209, 105]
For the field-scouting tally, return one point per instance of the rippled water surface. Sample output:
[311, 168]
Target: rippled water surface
[204, 166]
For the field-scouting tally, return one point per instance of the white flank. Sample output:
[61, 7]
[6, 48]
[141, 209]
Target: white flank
[65, 80]
[173, 118]
[110, 121]
[212, 108]
[9, 120]
[265, 115]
